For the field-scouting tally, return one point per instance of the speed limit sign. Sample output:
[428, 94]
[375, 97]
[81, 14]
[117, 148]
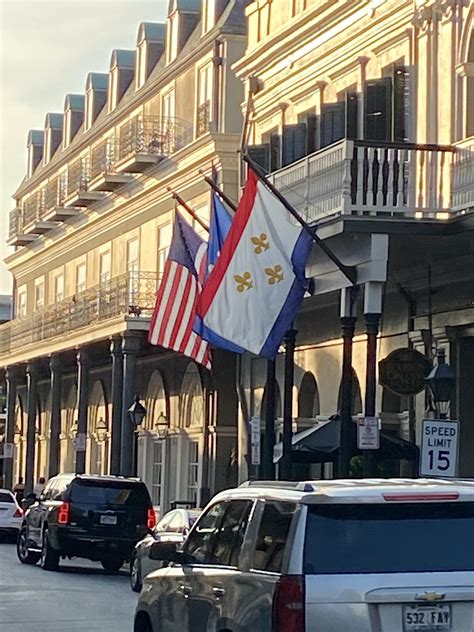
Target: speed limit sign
[439, 448]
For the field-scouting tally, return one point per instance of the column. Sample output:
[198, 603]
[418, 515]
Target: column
[286, 470]
[55, 367]
[82, 410]
[12, 383]
[130, 348]
[32, 411]
[372, 310]
[348, 322]
[268, 467]
[117, 384]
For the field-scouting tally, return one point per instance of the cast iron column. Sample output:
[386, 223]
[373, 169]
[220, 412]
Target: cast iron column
[12, 382]
[55, 367]
[130, 347]
[372, 328]
[117, 385]
[268, 467]
[285, 463]
[32, 382]
[82, 407]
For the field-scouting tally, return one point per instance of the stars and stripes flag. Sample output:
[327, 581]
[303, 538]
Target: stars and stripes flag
[175, 308]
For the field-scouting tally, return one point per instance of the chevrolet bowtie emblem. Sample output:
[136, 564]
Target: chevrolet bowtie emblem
[430, 597]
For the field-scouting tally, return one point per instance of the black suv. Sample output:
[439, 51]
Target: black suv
[100, 518]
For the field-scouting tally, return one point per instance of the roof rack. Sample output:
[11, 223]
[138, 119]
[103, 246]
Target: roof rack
[299, 486]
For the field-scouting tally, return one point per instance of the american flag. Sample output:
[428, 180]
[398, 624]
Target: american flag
[175, 308]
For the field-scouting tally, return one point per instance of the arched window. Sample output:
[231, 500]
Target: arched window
[155, 401]
[192, 398]
[356, 395]
[99, 435]
[308, 397]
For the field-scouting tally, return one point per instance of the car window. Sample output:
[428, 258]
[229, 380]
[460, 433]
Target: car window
[113, 494]
[6, 497]
[231, 533]
[176, 524]
[272, 535]
[200, 541]
[59, 488]
[48, 490]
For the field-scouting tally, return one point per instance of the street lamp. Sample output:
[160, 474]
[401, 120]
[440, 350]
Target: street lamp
[441, 383]
[136, 412]
[101, 430]
[161, 425]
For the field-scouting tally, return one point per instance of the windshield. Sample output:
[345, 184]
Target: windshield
[112, 493]
[6, 497]
[402, 538]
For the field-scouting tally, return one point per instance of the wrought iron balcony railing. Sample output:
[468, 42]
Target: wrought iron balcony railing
[15, 224]
[131, 294]
[56, 192]
[203, 118]
[78, 176]
[103, 157]
[33, 207]
[156, 136]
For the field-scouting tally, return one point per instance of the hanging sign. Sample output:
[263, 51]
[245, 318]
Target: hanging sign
[404, 371]
[439, 448]
[255, 440]
[368, 433]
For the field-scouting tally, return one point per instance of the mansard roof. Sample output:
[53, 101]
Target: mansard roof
[74, 102]
[122, 58]
[151, 31]
[35, 137]
[97, 81]
[54, 120]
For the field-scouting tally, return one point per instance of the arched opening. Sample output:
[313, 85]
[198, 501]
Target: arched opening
[99, 430]
[192, 399]
[356, 408]
[155, 400]
[67, 452]
[19, 439]
[308, 397]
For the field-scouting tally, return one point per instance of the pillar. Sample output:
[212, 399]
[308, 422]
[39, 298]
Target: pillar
[117, 385]
[348, 322]
[12, 383]
[268, 467]
[32, 412]
[55, 367]
[285, 472]
[82, 408]
[130, 348]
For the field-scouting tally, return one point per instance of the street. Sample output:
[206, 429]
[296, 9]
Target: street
[81, 596]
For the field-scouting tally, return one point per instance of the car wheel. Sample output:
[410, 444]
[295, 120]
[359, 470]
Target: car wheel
[24, 554]
[49, 560]
[112, 564]
[135, 574]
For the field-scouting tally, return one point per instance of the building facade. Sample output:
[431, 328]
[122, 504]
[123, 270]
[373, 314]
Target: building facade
[363, 114]
[91, 229]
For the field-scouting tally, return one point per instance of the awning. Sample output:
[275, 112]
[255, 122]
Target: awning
[320, 444]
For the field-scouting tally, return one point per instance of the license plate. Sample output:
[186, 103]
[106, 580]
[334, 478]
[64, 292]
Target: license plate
[108, 520]
[427, 618]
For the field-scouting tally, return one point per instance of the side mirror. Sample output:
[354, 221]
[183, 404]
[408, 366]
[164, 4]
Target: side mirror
[166, 552]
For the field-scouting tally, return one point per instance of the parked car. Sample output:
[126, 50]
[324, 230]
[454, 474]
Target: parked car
[100, 518]
[10, 515]
[323, 555]
[173, 527]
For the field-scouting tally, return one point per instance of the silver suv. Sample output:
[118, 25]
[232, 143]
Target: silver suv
[320, 556]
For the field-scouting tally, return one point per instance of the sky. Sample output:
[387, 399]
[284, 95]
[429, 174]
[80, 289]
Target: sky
[46, 50]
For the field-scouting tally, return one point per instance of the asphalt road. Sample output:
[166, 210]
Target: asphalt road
[80, 596]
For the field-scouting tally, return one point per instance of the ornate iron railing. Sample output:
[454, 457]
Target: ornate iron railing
[131, 294]
[463, 177]
[33, 207]
[203, 118]
[15, 223]
[103, 157]
[55, 192]
[78, 176]
[155, 136]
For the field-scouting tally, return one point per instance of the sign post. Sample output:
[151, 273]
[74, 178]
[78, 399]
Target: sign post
[439, 448]
[368, 433]
[255, 440]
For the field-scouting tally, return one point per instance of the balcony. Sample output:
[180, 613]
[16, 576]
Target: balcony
[54, 209]
[145, 140]
[380, 179]
[33, 214]
[77, 190]
[16, 234]
[103, 174]
[129, 295]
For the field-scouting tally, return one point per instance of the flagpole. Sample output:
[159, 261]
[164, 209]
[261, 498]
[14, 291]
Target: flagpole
[187, 208]
[348, 271]
[219, 191]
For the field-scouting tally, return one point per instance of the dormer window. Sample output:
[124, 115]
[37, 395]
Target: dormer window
[96, 97]
[150, 47]
[73, 117]
[208, 15]
[35, 145]
[173, 33]
[122, 71]
[53, 132]
[183, 17]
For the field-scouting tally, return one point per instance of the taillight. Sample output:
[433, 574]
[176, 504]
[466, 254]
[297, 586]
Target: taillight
[63, 515]
[151, 518]
[18, 513]
[420, 496]
[289, 604]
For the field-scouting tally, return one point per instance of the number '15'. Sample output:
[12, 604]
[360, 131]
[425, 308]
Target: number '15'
[442, 458]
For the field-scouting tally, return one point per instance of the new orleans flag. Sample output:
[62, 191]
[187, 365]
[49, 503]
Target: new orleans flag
[253, 292]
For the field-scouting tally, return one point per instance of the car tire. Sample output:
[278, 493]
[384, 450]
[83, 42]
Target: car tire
[49, 559]
[23, 553]
[135, 574]
[112, 564]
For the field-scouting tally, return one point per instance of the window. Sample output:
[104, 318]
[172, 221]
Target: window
[113, 89]
[59, 288]
[209, 15]
[165, 233]
[378, 109]
[132, 268]
[173, 33]
[141, 70]
[21, 303]
[204, 99]
[201, 540]
[157, 473]
[168, 104]
[80, 278]
[193, 471]
[231, 533]
[105, 266]
[89, 117]
[272, 534]
[39, 293]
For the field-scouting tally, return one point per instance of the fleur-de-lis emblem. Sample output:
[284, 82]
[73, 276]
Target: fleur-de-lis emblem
[275, 275]
[244, 281]
[261, 243]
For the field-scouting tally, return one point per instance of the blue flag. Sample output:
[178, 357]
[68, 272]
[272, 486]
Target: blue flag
[220, 224]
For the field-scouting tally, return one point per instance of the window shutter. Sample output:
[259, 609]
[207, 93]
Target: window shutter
[352, 109]
[261, 155]
[294, 143]
[402, 103]
[378, 109]
[312, 133]
[333, 124]
[275, 152]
